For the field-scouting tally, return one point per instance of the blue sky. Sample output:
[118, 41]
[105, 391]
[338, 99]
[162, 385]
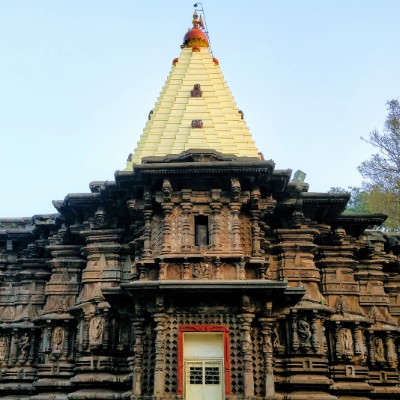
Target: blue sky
[78, 79]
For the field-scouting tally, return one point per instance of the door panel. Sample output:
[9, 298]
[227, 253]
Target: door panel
[204, 380]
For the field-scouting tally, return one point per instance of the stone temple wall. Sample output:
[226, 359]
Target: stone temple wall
[92, 299]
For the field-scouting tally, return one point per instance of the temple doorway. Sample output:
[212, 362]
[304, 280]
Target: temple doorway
[204, 366]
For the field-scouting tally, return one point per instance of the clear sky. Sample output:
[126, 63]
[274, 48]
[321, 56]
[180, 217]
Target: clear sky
[78, 79]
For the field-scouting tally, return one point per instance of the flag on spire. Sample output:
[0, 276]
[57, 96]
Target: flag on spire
[201, 23]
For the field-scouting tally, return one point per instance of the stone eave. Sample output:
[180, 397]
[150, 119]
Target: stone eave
[323, 207]
[261, 168]
[17, 234]
[278, 180]
[358, 222]
[82, 199]
[277, 289]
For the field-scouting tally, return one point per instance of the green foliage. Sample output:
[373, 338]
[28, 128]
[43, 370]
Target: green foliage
[358, 202]
[382, 170]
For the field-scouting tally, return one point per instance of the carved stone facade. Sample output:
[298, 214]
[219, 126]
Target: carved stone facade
[93, 300]
[199, 275]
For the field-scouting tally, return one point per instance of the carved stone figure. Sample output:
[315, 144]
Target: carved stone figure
[100, 218]
[196, 91]
[275, 337]
[379, 349]
[24, 347]
[58, 338]
[96, 330]
[304, 331]
[197, 124]
[167, 189]
[201, 271]
[341, 305]
[347, 338]
[235, 189]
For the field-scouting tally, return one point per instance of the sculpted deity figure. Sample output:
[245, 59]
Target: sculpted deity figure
[196, 91]
[24, 347]
[347, 339]
[201, 271]
[275, 337]
[100, 218]
[379, 349]
[96, 329]
[58, 338]
[304, 331]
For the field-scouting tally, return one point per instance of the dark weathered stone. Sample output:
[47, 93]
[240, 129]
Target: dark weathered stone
[92, 298]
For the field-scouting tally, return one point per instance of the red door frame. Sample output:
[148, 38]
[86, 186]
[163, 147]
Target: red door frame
[227, 358]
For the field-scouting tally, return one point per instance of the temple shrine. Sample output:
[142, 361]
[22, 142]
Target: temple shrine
[201, 273]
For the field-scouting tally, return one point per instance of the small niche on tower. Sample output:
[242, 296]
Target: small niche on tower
[201, 233]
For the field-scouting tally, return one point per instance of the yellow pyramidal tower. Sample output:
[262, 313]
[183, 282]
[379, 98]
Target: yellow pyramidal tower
[195, 109]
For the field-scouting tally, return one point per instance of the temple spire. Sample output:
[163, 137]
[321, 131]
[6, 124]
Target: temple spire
[195, 109]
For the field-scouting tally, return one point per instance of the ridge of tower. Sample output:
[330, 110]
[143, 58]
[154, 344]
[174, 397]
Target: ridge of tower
[195, 109]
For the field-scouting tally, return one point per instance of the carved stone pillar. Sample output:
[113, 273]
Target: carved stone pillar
[371, 345]
[338, 348]
[217, 264]
[186, 270]
[8, 348]
[247, 347]
[255, 230]
[137, 327]
[67, 340]
[167, 210]
[187, 237]
[240, 270]
[215, 225]
[147, 233]
[314, 333]
[14, 348]
[391, 352]
[295, 335]
[357, 340]
[266, 324]
[85, 336]
[159, 376]
[235, 211]
[163, 271]
[106, 339]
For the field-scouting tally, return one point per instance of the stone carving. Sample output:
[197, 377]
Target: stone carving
[197, 124]
[304, 331]
[379, 349]
[201, 271]
[276, 341]
[58, 339]
[341, 305]
[196, 91]
[96, 330]
[235, 189]
[167, 189]
[100, 219]
[24, 348]
[347, 339]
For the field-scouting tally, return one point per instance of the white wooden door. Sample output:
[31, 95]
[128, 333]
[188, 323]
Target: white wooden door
[204, 380]
[204, 366]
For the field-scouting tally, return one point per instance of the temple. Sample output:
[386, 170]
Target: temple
[200, 273]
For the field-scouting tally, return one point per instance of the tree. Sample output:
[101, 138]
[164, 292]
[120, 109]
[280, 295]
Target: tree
[382, 170]
[358, 202]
